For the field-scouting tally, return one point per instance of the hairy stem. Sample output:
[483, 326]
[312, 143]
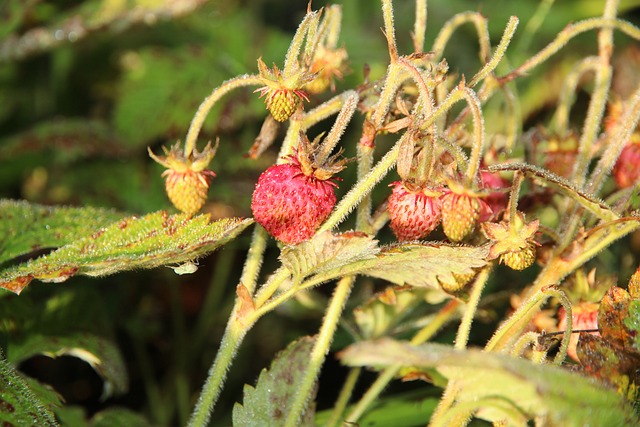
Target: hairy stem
[419, 26]
[209, 102]
[320, 349]
[462, 336]
[344, 396]
[488, 68]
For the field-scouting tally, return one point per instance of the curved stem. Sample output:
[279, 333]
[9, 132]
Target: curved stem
[291, 59]
[598, 103]
[419, 26]
[567, 94]
[567, 34]
[530, 338]
[389, 29]
[462, 336]
[343, 398]
[479, 134]
[498, 54]
[320, 349]
[342, 121]
[453, 24]
[208, 103]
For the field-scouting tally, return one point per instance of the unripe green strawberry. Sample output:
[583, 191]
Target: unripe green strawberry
[458, 283]
[186, 178]
[460, 213]
[282, 93]
[521, 259]
[626, 172]
[188, 190]
[414, 213]
[513, 242]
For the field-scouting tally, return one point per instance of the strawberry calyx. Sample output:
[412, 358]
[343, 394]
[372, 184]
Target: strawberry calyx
[307, 156]
[513, 241]
[283, 93]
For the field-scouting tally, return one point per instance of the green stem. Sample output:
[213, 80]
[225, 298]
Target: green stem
[628, 123]
[420, 26]
[498, 54]
[208, 103]
[533, 25]
[344, 396]
[389, 29]
[449, 27]
[233, 336]
[349, 106]
[598, 102]
[462, 336]
[479, 134]
[530, 338]
[231, 340]
[567, 94]
[291, 59]
[320, 349]
[567, 34]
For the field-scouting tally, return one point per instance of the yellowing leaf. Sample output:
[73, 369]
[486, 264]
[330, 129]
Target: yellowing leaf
[503, 387]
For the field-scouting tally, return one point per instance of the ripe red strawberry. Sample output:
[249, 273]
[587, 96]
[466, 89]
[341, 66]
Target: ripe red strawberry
[626, 172]
[414, 213]
[291, 200]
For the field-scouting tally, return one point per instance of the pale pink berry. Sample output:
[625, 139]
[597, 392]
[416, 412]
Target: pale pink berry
[414, 213]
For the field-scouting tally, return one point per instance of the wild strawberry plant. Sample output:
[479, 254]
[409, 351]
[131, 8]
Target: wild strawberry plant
[451, 191]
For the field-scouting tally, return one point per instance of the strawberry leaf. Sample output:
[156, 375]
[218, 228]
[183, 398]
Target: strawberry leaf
[519, 390]
[25, 227]
[426, 264]
[268, 403]
[24, 401]
[326, 252]
[150, 241]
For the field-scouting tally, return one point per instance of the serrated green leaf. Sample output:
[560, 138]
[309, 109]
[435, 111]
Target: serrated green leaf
[21, 403]
[268, 403]
[526, 389]
[26, 227]
[326, 252]
[592, 204]
[147, 242]
[426, 264]
[100, 353]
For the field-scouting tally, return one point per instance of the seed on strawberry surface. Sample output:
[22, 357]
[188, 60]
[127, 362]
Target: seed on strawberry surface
[414, 212]
[291, 200]
[520, 259]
